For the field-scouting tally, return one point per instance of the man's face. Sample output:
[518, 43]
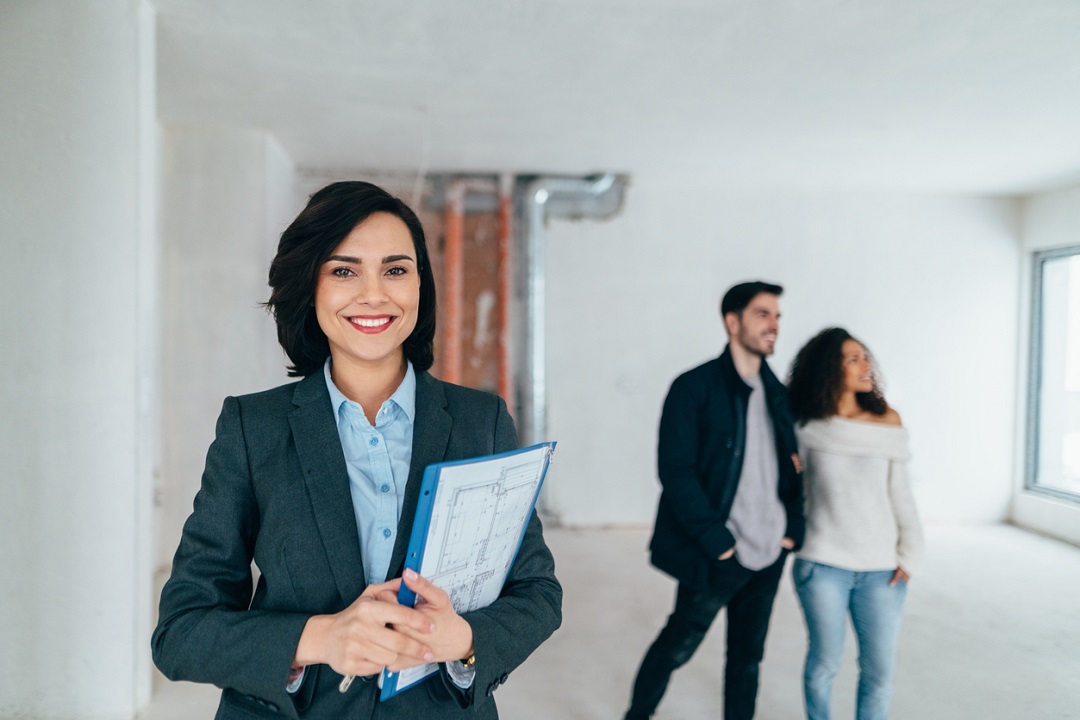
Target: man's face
[757, 326]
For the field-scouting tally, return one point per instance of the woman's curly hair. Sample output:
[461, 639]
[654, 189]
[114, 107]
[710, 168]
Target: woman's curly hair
[815, 381]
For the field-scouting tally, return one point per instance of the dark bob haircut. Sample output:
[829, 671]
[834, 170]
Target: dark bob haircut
[329, 217]
[816, 382]
[739, 296]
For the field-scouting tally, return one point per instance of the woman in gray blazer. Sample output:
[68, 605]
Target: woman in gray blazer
[317, 483]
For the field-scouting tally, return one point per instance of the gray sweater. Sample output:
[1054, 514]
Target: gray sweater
[860, 511]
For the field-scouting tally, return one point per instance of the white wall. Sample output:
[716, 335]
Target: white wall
[79, 392]
[227, 194]
[1050, 220]
[930, 284]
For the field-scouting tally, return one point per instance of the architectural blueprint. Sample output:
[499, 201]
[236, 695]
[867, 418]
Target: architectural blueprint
[470, 521]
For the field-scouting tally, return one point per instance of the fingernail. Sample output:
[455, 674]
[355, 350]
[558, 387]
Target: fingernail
[431, 628]
[410, 574]
[428, 656]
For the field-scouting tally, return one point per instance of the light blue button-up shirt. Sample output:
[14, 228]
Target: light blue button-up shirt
[377, 459]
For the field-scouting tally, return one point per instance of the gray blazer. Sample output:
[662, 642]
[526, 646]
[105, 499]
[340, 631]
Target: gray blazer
[275, 490]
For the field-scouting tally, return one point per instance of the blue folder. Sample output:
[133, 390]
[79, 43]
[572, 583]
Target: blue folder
[391, 682]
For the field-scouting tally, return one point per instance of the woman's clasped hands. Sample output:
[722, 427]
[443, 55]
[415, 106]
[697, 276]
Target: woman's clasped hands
[376, 632]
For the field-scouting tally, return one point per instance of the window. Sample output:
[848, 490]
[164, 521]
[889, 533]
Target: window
[1053, 438]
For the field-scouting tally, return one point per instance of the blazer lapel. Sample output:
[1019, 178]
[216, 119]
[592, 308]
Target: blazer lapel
[323, 461]
[431, 434]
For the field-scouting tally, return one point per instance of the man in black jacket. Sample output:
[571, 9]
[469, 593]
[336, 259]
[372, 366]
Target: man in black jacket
[731, 507]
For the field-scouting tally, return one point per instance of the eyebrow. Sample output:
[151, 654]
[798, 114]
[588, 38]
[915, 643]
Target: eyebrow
[356, 260]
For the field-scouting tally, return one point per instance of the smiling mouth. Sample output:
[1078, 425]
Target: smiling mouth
[371, 324]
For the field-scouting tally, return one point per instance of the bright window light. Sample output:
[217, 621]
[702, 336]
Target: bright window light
[1053, 452]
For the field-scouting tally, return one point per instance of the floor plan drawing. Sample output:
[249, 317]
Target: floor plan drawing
[465, 540]
[477, 524]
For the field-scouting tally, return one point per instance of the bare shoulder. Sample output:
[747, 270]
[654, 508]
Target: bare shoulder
[891, 417]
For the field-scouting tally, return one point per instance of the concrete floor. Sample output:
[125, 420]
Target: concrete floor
[992, 632]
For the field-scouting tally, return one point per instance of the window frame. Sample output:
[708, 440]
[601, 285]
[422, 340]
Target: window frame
[1034, 389]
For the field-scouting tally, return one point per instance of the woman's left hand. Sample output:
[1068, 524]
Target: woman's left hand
[452, 638]
[899, 575]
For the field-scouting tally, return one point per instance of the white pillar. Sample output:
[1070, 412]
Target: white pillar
[227, 194]
[78, 336]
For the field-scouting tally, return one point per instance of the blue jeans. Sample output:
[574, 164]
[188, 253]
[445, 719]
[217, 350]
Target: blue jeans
[827, 595]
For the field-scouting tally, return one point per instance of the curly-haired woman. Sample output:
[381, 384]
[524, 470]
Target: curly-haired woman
[863, 535]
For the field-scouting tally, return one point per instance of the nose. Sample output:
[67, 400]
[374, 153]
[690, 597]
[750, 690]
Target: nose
[370, 290]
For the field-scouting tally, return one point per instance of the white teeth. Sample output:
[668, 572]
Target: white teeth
[369, 322]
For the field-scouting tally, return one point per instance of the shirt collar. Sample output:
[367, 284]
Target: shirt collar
[404, 397]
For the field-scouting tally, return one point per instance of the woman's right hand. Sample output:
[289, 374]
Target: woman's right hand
[359, 640]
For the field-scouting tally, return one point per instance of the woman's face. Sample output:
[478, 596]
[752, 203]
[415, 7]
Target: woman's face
[855, 367]
[368, 292]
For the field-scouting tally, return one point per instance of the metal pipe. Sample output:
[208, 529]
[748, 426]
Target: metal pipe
[537, 194]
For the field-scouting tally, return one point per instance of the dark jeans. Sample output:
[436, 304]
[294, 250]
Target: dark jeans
[748, 595]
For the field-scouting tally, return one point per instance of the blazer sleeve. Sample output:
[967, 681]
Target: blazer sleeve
[528, 610]
[678, 451]
[205, 631]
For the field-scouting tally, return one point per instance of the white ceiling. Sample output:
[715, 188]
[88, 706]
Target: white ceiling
[967, 96]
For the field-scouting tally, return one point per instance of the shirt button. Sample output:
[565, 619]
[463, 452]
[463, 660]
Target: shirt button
[384, 488]
[386, 533]
[374, 441]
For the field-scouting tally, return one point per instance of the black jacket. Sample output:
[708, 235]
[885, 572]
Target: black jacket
[699, 458]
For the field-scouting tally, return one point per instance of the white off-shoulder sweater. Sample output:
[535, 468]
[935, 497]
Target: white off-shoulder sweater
[860, 511]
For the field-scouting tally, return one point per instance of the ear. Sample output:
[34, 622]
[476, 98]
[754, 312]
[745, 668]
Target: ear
[731, 323]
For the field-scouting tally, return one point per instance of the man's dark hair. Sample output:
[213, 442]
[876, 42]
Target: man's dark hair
[738, 297]
[816, 382]
[331, 214]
